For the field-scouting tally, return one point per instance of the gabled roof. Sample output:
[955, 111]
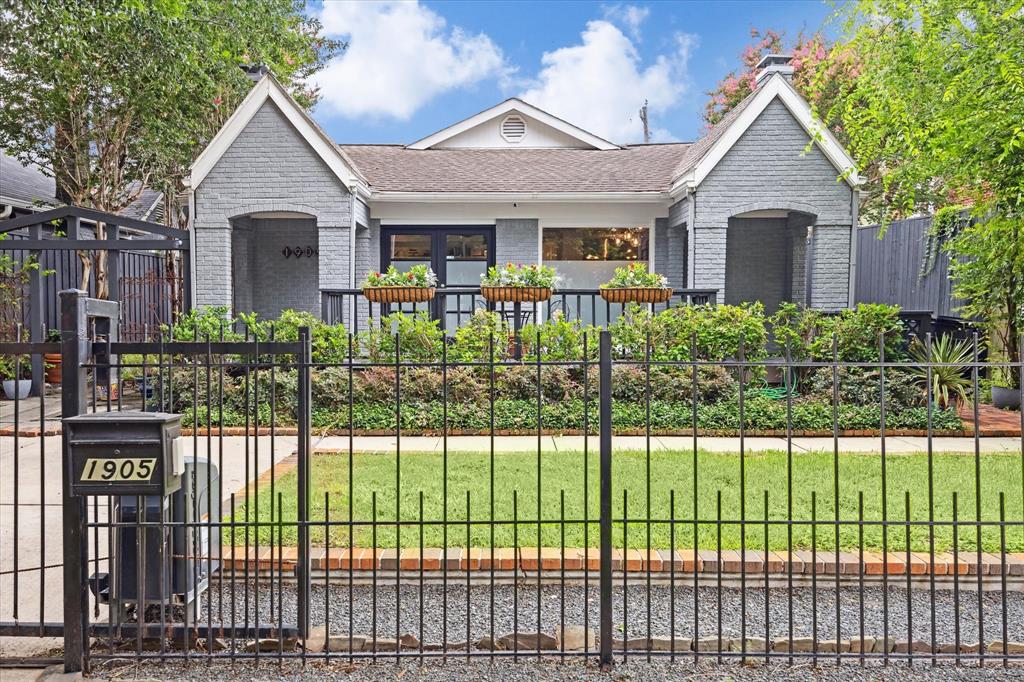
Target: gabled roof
[514, 104]
[538, 171]
[25, 186]
[269, 89]
[705, 154]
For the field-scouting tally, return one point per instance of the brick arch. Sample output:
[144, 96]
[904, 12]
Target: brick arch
[776, 205]
[272, 205]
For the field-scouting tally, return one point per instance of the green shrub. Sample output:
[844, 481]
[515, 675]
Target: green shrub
[861, 386]
[205, 322]
[419, 338]
[472, 341]
[559, 340]
[856, 331]
[715, 330]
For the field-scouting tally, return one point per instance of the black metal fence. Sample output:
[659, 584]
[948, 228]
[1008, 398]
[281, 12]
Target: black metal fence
[304, 530]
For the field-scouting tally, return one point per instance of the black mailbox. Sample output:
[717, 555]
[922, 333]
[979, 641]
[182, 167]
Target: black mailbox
[124, 453]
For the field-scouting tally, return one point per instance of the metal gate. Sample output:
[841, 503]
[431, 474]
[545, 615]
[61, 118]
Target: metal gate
[332, 509]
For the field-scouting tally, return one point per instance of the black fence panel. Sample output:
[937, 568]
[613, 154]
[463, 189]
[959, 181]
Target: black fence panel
[889, 269]
[415, 506]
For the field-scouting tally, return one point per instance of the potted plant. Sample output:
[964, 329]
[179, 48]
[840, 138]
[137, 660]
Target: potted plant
[517, 283]
[16, 373]
[52, 361]
[1005, 395]
[415, 285]
[633, 284]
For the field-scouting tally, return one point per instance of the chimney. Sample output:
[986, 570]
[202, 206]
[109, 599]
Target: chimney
[774, 63]
[254, 71]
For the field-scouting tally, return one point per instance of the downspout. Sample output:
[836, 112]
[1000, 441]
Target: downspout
[352, 256]
[854, 227]
[691, 239]
[191, 293]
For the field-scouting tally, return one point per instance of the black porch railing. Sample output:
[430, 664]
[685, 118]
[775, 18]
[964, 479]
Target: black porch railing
[455, 305]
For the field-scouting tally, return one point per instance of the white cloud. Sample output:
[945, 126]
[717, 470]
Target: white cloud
[601, 83]
[629, 17]
[400, 56]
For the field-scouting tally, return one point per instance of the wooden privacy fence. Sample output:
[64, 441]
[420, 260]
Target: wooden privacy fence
[889, 269]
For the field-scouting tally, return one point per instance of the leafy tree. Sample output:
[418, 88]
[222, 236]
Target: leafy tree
[111, 96]
[936, 108]
[815, 60]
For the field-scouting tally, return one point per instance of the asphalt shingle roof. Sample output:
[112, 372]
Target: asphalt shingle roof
[640, 168]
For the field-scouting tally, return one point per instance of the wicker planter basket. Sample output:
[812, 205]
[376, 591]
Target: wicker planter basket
[515, 294]
[398, 294]
[636, 294]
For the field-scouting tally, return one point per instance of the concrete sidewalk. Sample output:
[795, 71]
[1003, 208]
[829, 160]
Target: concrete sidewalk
[893, 444]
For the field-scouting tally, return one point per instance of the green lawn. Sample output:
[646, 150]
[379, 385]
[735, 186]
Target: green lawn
[563, 473]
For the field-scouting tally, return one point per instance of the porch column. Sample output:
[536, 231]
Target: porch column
[213, 265]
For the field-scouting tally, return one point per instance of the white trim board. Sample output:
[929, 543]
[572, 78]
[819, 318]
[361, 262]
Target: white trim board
[776, 87]
[269, 89]
[518, 105]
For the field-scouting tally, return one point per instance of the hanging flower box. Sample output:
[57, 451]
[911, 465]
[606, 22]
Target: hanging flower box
[518, 283]
[413, 286]
[633, 284]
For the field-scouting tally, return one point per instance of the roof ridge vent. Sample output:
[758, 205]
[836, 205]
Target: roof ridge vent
[513, 128]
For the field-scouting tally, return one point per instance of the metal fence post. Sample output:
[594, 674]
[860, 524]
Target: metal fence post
[605, 442]
[74, 350]
[35, 312]
[304, 447]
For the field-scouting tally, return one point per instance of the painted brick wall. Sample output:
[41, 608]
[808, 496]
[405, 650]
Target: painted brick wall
[515, 240]
[242, 252]
[280, 282]
[756, 266]
[269, 167]
[830, 285]
[768, 168]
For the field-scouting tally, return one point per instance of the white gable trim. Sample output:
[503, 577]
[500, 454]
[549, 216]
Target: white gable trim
[269, 89]
[522, 107]
[777, 86]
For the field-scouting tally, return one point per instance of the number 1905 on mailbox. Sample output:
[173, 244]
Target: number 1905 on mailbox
[126, 469]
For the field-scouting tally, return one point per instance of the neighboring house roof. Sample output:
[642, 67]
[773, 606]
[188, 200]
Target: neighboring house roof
[640, 168]
[269, 89]
[708, 151]
[25, 186]
[517, 105]
[28, 187]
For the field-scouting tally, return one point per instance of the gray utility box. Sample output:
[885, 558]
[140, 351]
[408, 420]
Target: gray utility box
[124, 453]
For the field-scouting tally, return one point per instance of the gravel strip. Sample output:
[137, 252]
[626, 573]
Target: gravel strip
[458, 670]
[631, 612]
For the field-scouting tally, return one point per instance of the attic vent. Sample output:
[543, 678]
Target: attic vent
[513, 128]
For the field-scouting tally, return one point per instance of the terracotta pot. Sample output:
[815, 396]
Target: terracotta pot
[636, 294]
[52, 363]
[515, 294]
[398, 294]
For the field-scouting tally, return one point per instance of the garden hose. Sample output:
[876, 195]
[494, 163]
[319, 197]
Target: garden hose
[776, 392]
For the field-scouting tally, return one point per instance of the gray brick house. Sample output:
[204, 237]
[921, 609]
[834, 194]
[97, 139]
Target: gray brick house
[761, 208]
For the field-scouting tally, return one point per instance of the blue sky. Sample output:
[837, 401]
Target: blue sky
[415, 67]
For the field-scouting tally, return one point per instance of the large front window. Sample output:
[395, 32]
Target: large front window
[586, 257]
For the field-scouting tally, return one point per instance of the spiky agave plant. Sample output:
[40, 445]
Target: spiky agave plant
[949, 377]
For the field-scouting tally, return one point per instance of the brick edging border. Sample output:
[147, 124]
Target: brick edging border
[800, 562]
[726, 433]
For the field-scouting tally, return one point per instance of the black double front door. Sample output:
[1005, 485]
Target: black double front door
[459, 255]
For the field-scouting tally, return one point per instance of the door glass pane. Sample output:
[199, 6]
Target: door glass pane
[408, 250]
[466, 260]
